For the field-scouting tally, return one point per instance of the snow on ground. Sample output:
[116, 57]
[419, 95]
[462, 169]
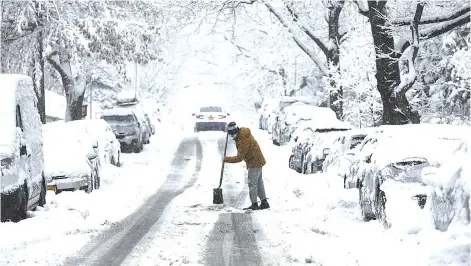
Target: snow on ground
[314, 220]
[70, 219]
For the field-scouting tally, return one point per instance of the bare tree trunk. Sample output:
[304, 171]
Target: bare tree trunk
[74, 96]
[41, 89]
[333, 57]
[396, 108]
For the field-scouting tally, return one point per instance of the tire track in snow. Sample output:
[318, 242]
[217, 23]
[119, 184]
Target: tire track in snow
[232, 240]
[112, 246]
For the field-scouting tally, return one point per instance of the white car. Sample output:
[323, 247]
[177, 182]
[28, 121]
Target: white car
[62, 131]
[210, 118]
[109, 148]
[67, 164]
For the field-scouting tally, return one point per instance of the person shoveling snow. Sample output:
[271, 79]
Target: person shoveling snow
[249, 151]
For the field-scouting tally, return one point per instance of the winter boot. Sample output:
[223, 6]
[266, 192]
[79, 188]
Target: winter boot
[254, 206]
[264, 205]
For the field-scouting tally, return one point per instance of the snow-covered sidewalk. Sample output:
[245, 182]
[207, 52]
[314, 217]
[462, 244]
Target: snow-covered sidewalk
[70, 219]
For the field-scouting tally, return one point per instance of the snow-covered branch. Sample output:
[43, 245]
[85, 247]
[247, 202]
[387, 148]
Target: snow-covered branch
[297, 38]
[308, 31]
[465, 9]
[408, 79]
[362, 8]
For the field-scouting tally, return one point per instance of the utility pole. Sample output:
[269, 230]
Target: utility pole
[91, 99]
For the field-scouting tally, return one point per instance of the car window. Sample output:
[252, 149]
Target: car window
[19, 120]
[210, 109]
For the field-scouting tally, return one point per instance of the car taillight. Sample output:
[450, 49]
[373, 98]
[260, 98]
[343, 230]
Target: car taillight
[222, 116]
[199, 116]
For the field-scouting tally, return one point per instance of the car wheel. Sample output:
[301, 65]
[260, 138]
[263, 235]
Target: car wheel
[113, 160]
[148, 140]
[90, 184]
[22, 204]
[305, 169]
[345, 181]
[42, 195]
[119, 160]
[291, 162]
[364, 215]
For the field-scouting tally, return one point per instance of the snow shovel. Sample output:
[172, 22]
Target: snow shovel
[217, 192]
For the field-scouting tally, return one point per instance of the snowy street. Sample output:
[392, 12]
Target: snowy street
[235, 133]
[312, 219]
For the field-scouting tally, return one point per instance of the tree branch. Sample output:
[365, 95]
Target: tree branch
[296, 38]
[306, 29]
[409, 79]
[436, 30]
[362, 9]
[434, 19]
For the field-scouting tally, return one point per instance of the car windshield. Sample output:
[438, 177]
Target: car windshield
[118, 119]
[211, 109]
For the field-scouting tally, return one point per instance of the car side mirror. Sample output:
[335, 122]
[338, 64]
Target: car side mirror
[95, 144]
[193, 114]
[138, 124]
[23, 150]
[228, 113]
[368, 158]
[296, 139]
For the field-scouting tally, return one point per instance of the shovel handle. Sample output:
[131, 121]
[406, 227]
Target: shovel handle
[222, 168]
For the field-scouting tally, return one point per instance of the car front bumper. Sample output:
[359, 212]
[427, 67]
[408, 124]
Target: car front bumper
[73, 183]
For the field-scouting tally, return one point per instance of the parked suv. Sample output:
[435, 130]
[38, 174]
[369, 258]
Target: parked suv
[129, 131]
[23, 183]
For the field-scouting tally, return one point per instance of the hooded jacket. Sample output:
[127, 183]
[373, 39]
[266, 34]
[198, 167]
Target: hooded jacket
[247, 150]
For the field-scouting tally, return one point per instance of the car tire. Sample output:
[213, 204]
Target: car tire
[345, 181]
[42, 194]
[364, 216]
[305, 169]
[91, 184]
[119, 159]
[23, 204]
[291, 162]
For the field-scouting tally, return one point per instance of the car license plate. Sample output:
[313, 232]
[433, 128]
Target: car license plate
[211, 118]
[53, 188]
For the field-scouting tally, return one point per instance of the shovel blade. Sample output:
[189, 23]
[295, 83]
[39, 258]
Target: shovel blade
[217, 196]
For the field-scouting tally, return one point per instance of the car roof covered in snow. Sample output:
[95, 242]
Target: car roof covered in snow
[435, 142]
[292, 99]
[301, 111]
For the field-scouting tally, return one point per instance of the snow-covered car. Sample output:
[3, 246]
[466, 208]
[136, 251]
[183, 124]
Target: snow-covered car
[23, 182]
[127, 99]
[65, 131]
[210, 118]
[450, 185]
[343, 151]
[126, 126]
[312, 144]
[299, 114]
[67, 164]
[281, 104]
[109, 148]
[391, 166]
[267, 110]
